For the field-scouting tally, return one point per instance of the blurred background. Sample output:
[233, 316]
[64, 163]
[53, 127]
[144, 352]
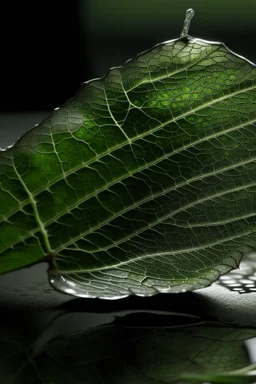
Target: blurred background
[49, 48]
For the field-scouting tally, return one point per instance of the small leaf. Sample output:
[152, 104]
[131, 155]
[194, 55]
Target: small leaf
[144, 182]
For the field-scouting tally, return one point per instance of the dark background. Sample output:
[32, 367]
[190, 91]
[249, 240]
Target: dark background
[49, 48]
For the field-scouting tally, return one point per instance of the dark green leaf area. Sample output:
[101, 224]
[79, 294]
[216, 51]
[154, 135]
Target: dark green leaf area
[144, 182]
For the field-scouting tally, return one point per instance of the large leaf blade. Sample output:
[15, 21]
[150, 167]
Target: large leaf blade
[144, 182]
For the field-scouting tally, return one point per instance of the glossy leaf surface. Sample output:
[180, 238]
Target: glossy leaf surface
[144, 182]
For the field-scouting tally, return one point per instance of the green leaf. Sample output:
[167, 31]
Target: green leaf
[144, 182]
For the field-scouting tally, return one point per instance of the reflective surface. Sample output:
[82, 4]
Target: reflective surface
[242, 280]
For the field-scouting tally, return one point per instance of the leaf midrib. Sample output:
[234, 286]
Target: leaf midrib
[33, 203]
